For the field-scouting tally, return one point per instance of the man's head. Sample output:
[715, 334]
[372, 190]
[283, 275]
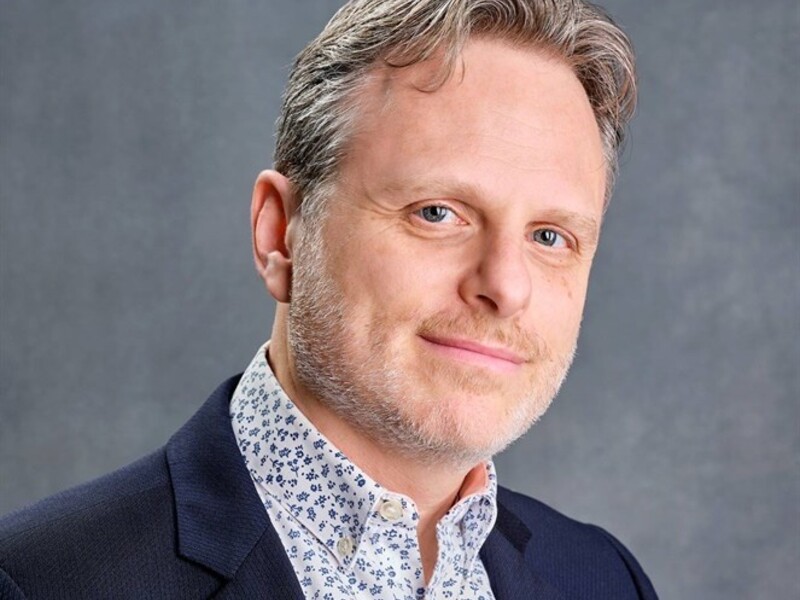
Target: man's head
[445, 167]
[321, 103]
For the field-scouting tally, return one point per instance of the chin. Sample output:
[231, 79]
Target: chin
[465, 429]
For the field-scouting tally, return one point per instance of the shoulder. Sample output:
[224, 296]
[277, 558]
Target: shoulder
[99, 536]
[88, 507]
[573, 555]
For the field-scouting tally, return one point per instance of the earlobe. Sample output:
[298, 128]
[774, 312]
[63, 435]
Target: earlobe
[271, 212]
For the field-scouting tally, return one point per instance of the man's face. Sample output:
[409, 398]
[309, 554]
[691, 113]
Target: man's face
[439, 308]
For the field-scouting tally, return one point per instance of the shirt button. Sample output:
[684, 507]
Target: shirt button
[391, 509]
[345, 546]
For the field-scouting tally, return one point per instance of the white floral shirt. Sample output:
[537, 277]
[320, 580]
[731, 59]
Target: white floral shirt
[346, 536]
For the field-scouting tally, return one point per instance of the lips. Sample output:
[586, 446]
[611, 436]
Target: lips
[472, 351]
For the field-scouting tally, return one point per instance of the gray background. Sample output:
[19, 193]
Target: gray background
[132, 132]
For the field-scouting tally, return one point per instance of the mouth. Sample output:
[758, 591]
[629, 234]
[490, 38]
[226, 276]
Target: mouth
[495, 358]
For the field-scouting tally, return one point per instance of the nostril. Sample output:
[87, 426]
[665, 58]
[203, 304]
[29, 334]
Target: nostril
[487, 301]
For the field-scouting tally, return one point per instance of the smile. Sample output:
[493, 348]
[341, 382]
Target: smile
[501, 360]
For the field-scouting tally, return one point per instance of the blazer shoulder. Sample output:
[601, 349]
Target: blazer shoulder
[87, 501]
[575, 555]
[94, 540]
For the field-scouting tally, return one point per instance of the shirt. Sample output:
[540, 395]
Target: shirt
[346, 536]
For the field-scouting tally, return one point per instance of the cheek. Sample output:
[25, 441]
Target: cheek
[557, 308]
[574, 290]
[388, 280]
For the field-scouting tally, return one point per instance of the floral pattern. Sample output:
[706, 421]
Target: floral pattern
[346, 536]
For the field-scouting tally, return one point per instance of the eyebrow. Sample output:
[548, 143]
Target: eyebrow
[587, 228]
[435, 186]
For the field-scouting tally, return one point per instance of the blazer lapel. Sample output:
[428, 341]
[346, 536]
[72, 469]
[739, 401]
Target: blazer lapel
[265, 573]
[221, 522]
[503, 557]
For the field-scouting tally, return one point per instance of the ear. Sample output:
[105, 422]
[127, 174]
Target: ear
[272, 214]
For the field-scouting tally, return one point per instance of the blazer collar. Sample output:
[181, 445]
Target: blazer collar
[221, 522]
[503, 557]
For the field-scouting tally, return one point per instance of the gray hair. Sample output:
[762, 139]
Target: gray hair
[318, 114]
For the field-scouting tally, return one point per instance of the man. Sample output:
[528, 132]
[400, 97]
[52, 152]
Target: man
[442, 169]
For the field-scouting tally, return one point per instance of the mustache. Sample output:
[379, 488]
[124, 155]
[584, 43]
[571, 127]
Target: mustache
[486, 330]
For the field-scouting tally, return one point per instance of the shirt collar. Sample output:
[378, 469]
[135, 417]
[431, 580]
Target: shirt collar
[289, 459]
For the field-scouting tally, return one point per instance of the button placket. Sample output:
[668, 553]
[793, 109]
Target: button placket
[390, 509]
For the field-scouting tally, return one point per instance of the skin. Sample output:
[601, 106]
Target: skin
[509, 151]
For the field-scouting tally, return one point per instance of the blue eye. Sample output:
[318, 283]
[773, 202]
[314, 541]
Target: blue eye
[549, 237]
[436, 213]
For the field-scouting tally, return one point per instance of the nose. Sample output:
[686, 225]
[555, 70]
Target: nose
[500, 281]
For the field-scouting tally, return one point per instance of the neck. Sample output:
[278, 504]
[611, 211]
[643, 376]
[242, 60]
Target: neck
[434, 488]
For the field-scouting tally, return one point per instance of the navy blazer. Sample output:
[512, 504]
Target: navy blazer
[187, 522]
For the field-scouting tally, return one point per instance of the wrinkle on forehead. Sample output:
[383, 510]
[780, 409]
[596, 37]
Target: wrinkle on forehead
[483, 112]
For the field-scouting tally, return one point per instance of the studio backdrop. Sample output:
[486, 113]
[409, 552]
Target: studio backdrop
[130, 137]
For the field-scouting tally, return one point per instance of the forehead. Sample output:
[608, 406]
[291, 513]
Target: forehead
[506, 115]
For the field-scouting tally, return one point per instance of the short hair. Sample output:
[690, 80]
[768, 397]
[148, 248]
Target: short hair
[318, 113]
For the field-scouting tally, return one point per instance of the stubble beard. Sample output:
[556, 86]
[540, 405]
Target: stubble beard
[374, 396]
